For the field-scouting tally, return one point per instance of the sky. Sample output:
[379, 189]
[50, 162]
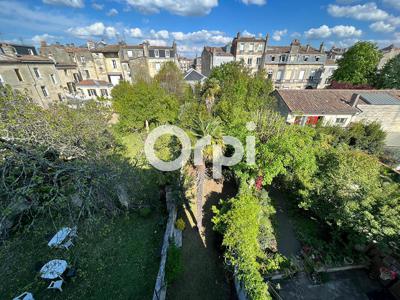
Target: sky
[196, 23]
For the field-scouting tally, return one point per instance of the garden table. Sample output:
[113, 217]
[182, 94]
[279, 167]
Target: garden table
[59, 237]
[53, 269]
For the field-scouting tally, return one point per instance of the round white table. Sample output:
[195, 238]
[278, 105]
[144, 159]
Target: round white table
[53, 269]
[59, 237]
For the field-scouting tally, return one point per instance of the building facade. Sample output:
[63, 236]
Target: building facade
[387, 54]
[249, 50]
[212, 57]
[31, 74]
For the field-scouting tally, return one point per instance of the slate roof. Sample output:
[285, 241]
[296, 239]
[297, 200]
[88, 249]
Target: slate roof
[327, 101]
[217, 51]
[25, 59]
[379, 98]
[194, 75]
[286, 49]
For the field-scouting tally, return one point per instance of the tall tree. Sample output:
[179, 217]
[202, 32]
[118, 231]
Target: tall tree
[210, 90]
[142, 104]
[358, 65]
[170, 78]
[389, 77]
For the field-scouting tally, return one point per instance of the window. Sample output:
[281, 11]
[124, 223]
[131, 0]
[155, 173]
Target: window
[279, 75]
[53, 79]
[92, 92]
[241, 47]
[167, 54]
[65, 72]
[341, 120]
[301, 75]
[317, 58]
[18, 73]
[258, 60]
[114, 63]
[130, 53]
[249, 61]
[30, 51]
[87, 74]
[44, 91]
[312, 75]
[251, 47]
[156, 53]
[37, 73]
[272, 58]
[83, 59]
[104, 92]
[260, 47]
[306, 58]
[282, 58]
[158, 67]
[77, 77]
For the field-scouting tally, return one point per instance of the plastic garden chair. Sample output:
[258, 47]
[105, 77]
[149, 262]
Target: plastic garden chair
[56, 285]
[24, 296]
[68, 244]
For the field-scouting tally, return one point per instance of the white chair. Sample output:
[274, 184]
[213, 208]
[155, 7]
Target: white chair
[56, 285]
[24, 296]
[67, 244]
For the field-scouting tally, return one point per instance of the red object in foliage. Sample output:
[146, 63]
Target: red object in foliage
[348, 86]
[259, 182]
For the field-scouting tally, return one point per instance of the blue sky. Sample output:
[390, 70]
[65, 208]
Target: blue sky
[195, 23]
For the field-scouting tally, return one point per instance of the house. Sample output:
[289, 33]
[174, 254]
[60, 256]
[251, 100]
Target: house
[193, 77]
[185, 64]
[387, 54]
[157, 56]
[249, 50]
[15, 49]
[212, 57]
[31, 74]
[341, 107]
[294, 66]
[108, 63]
[91, 89]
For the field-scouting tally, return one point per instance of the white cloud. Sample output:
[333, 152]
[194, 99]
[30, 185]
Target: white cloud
[156, 42]
[346, 43]
[70, 3]
[134, 32]
[364, 12]
[248, 34]
[203, 36]
[296, 35]
[382, 27]
[177, 7]
[278, 34]
[325, 31]
[97, 6]
[161, 34]
[112, 12]
[42, 37]
[95, 30]
[393, 3]
[256, 2]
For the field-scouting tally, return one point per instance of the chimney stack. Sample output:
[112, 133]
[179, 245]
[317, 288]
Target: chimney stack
[43, 44]
[238, 35]
[322, 47]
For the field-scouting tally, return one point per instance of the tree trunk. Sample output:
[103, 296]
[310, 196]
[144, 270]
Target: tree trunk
[201, 171]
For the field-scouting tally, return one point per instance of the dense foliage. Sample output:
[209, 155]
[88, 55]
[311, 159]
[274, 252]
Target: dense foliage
[358, 65]
[143, 104]
[389, 76]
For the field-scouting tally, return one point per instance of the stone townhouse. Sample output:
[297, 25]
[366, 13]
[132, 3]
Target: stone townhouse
[108, 63]
[387, 54]
[157, 56]
[294, 66]
[212, 57]
[249, 50]
[342, 107]
[31, 74]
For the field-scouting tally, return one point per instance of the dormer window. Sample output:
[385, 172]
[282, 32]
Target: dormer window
[283, 58]
[156, 53]
[306, 58]
[30, 52]
[272, 58]
[317, 58]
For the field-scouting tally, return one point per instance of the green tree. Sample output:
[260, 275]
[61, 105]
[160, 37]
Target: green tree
[359, 64]
[170, 78]
[210, 90]
[143, 104]
[389, 76]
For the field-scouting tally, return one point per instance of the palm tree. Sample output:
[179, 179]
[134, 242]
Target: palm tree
[202, 128]
[210, 90]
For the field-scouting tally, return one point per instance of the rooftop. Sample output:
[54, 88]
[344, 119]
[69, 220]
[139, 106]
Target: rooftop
[193, 75]
[218, 51]
[335, 101]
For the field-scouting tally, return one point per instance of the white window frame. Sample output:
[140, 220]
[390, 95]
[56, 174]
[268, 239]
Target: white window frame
[260, 46]
[45, 91]
[83, 60]
[53, 78]
[241, 47]
[104, 92]
[130, 53]
[250, 61]
[301, 74]
[167, 54]
[258, 60]
[157, 66]
[156, 53]
[37, 73]
[341, 121]
[279, 75]
[30, 51]
[251, 47]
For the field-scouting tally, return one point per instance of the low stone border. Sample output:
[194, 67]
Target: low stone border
[160, 289]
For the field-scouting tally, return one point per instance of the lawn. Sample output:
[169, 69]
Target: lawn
[116, 258]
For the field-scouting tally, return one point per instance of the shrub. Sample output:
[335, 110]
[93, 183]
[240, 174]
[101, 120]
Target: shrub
[180, 224]
[173, 267]
[145, 212]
